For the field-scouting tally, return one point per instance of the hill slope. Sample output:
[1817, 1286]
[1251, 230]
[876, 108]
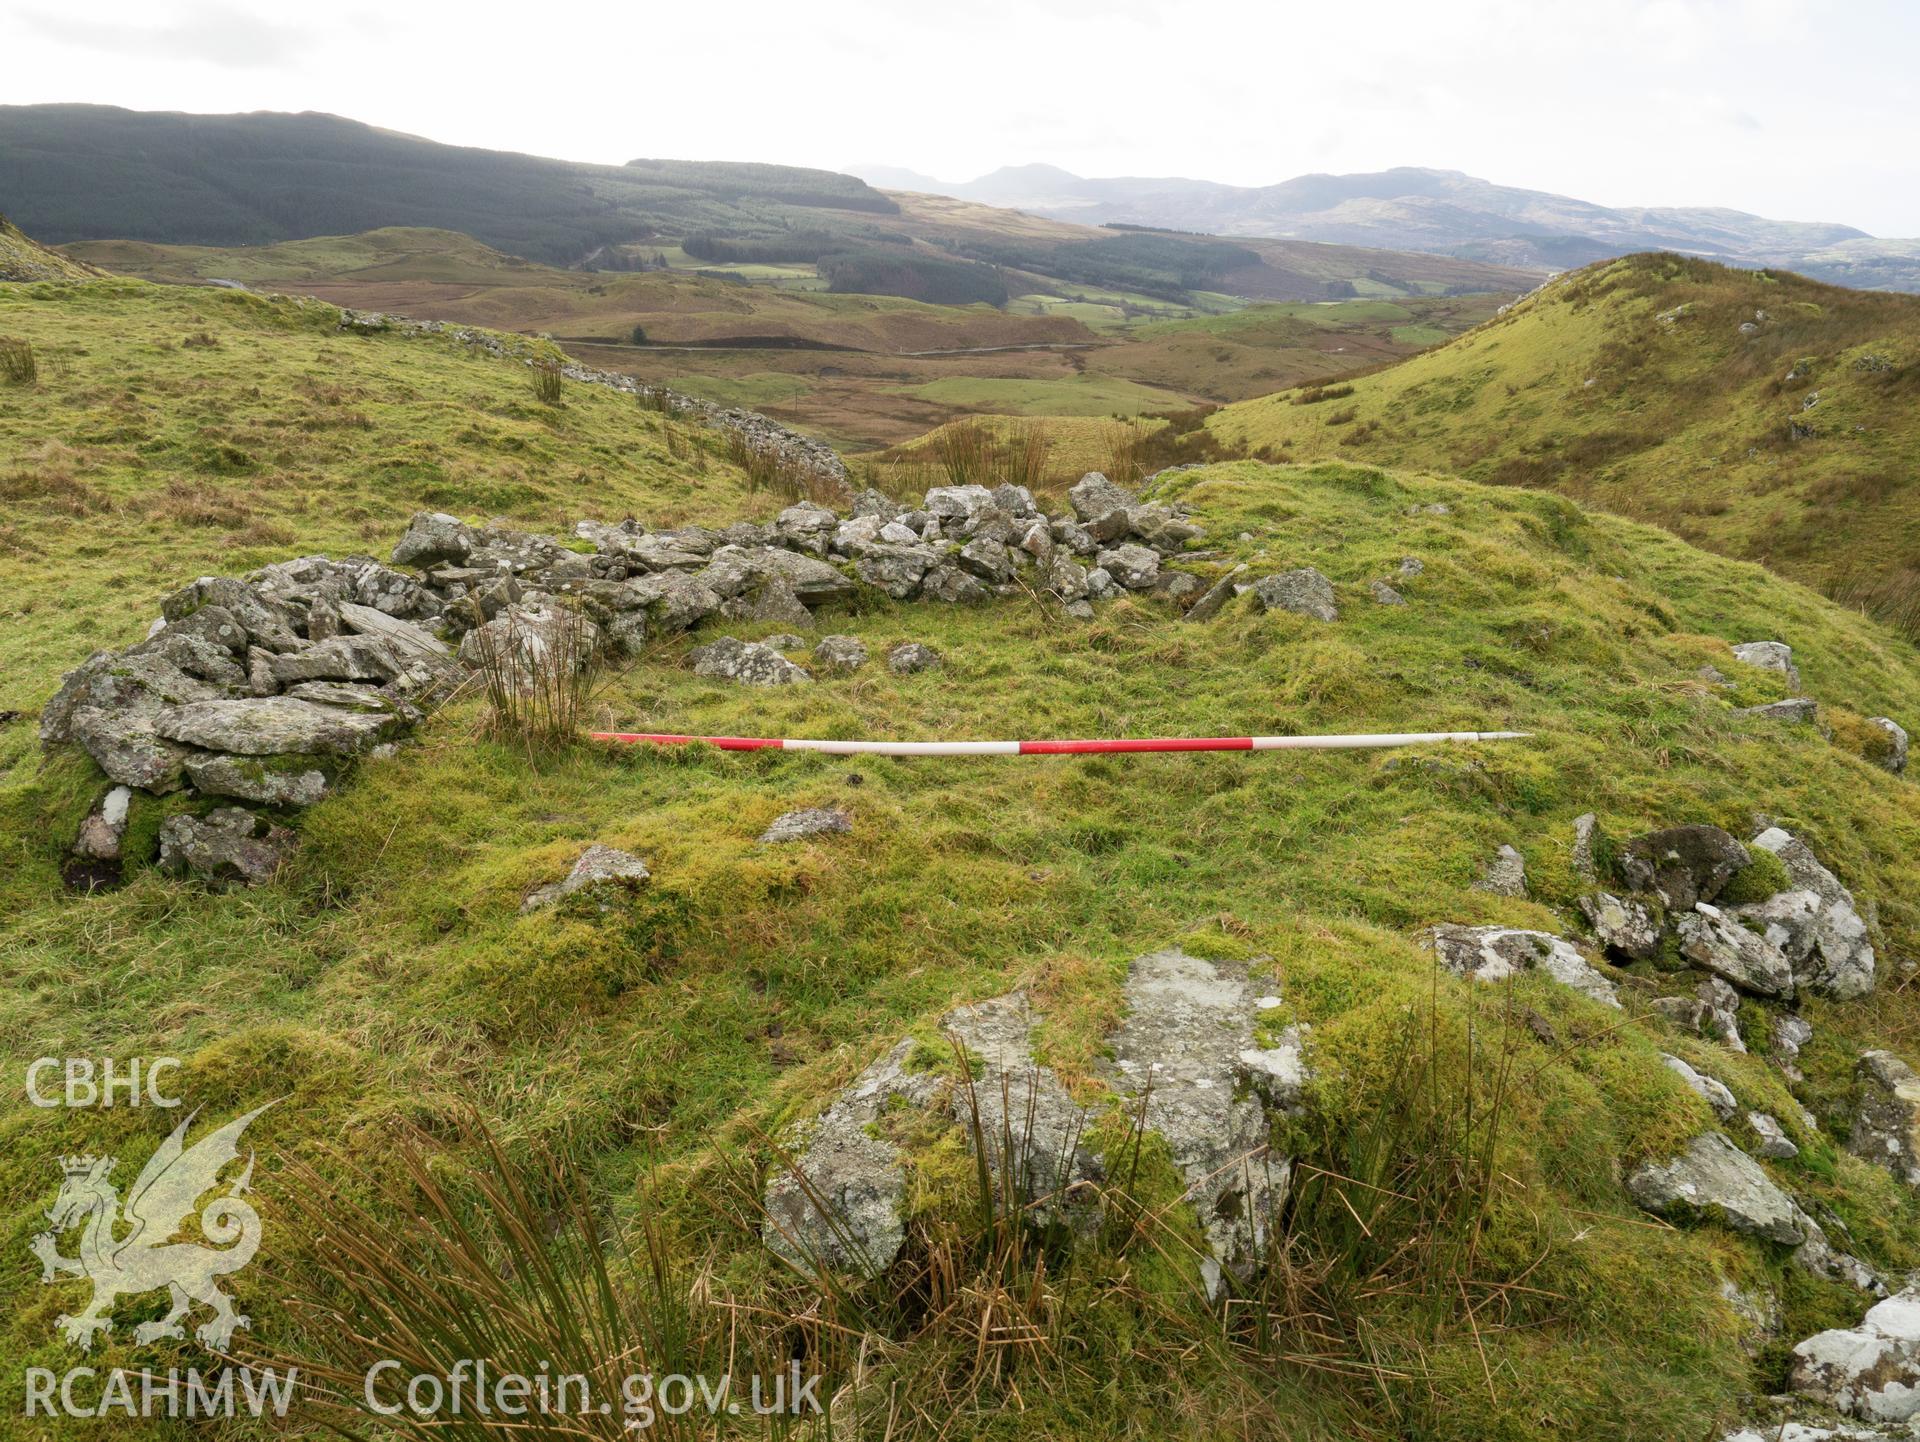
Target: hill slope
[23, 258]
[1757, 413]
[74, 172]
[1446, 211]
[389, 976]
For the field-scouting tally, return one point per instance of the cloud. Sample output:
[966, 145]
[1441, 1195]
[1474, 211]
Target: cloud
[215, 34]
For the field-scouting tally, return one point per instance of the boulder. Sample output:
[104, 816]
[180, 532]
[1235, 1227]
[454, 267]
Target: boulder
[1871, 1371]
[840, 653]
[959, 505]
[911, 656]
[267, 623]
[1712, 1178]
[133, 680]
[805, 527]
[811, 821]
[406, 640]
[662, 604]
[432, 538]
[770, 597]
[229, 846]
[952, 586]
[1304, 592]
[127, 745]
[1094, 496]
[987, 559]
[1711, 1091]
[1624, 926]
[1797, 710]
[340, 658]
[603, 873]
[1895, 758]
[1494, 953]
[1067, 579]
[1505, 875]
[1886, 1115]
[1821, 933]
[1385, 595]
[1101, 586]
[277, 725]
[1769, 656]
[1132, 566]
[1683, 864]
[1190, 1046]
[840, 1206]
[870, 502]
[746, 663]
[1716, 942]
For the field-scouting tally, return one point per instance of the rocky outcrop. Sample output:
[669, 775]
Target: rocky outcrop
[1682, 865]
[1505, 875]
[1871, 1371]
[1814, 924]
[1769, 656]
[1886, 1115]
[1494, 953]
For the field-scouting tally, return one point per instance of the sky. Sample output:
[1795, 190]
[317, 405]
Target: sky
[1791, 109]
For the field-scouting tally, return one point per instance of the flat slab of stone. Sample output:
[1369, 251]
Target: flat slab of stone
[809, 821]
[1189, 1045]
[273, 726]
[1871, 1371]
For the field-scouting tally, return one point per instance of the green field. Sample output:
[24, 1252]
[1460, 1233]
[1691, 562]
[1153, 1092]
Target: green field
[1075, 396]
[387, 976]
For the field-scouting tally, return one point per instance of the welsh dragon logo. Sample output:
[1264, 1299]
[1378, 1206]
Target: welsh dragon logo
[146, 1258]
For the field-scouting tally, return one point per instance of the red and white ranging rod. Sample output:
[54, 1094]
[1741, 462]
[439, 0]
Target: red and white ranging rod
[1060, 748]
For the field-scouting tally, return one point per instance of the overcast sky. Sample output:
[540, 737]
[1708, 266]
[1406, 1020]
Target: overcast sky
[1789, 108]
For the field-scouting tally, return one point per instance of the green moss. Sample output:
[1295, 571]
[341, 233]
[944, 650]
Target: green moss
[1765, 876]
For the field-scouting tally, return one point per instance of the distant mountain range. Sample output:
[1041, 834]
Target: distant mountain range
[1439, 211]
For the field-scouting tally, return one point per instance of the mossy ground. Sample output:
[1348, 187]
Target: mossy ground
[389, 975]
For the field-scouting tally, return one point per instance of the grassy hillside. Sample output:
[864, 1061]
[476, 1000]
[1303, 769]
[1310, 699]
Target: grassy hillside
[388, 976]
[1756, 413]
[22, 258]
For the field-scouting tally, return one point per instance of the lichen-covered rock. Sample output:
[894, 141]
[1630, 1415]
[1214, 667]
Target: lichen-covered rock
[664, 603]
[603, 873]
[1189, 1044]
[1718, 943]
[1713, 1178]
[1886, 1115]
[810, 821]
[748, 663]
[1094, 496]
[1871, 1371]
[1385, 595]
[272, 781]
[126, 744]
[841, 1205]
[768, 598]
[1683, 865]
[952, 586]
[1494, 953]
[1304, 592]
[1824, 938]
[277, 725]
[104, 826]
[911, 656]
[229, 846]
[1025, 1115]
[1795, 710]
[1132, 566]
[1505, 875]
[1895, 757]
[525, 644]
[1769, 656]
[1624, 926]
[1770, 1138]
[897, 570]
[434, 537]
[1709, 1089]
[840, 653]
[1216, 596]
